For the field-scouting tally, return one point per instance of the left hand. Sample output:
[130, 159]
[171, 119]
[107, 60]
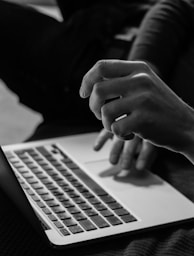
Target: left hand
[136, 154]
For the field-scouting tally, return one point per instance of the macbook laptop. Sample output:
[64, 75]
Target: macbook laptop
[70, 195]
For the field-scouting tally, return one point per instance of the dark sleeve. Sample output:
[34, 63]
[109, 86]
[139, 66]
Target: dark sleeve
[164, 33]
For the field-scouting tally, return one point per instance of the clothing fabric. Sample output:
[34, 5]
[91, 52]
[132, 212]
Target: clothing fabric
[31, 64]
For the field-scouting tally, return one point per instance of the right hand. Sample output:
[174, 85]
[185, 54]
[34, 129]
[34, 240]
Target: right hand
[152, 110]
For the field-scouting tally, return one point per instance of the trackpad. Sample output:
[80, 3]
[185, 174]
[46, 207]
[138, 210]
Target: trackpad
[106, 172]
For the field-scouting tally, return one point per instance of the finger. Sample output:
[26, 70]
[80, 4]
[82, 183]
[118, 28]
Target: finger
[116, 150]
[105, 92]
[129, 152]
[125, 127]
[108, 69]
[102, 137]
[118, 88]
[115, 111]
[146, 156]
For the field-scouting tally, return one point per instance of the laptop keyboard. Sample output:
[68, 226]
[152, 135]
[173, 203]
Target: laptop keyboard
[65, 194]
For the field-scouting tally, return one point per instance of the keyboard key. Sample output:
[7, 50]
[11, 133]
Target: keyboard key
[73, 194]
[114, 206]
[52, 203]
[87, 225]
[73, 210]
[62, 198]
[29, 191]
[84, 206]
[67, 204]
[43, 151]
[69, 222]
[40, 204]
[46, 210]
[46, 182]
[27, 175]
[62, 183]
[99, 221]
[35, 198]
[42, 191]
[63, 215]
[57, 209]
[57, 192]
[79, 216]
[128, 218]
[52, 217]
[78, 200]
[58, 224]
[106, 213]
[114, 220]
[90, 212]
[64, 232]
[41, 176]
[93, 200]
[121, 211]
[36, 170]
[87, 195]
[107, 199]
[100, 207]
[32, 180]
[51, 186]
[71, 165]
[76, 229]
[37, 186]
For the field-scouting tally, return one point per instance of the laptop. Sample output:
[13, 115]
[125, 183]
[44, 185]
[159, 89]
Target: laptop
[70, 195]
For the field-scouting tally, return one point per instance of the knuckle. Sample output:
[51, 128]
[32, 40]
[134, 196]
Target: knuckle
[146, 82]
[146, 98]
[144, 66]
[98, 90]
[100, 66]
[105, 111]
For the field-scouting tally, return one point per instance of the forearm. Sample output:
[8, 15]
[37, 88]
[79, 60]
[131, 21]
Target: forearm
[163, 34]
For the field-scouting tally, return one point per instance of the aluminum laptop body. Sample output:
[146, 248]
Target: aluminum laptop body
[46, 179]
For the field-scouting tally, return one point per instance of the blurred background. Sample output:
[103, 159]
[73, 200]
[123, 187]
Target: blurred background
[17, 122]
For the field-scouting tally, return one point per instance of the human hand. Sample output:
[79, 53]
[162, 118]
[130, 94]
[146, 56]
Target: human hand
[150, 108]
[136, 154]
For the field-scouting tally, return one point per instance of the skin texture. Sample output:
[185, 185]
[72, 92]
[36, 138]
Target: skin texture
[135, 154]
[130, 99]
